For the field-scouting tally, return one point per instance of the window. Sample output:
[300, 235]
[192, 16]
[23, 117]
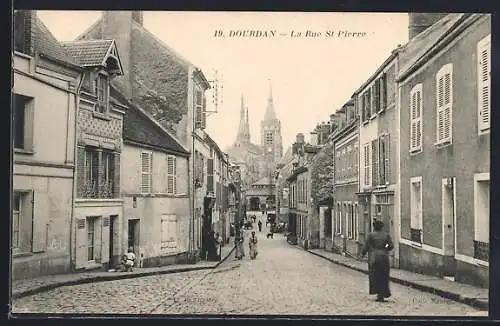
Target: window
[22, 221]
[355, 160]
[91, 173]
[366, 160]
[269, 138]
[362, 107]
[416, 222]
[481, 216]
[383, 92]
[210, 175]
[16, 216]
[368, 103]
[348, 162]
[200, 109]
[383, 159]
[168, 232]
[171, 174]
[91, 224]
[146, 168]
[376, 96]
[106, 187]
[101, 91]
[444, 101]
[350, 220]
[483, 75]
[23, 122]
[416, 118]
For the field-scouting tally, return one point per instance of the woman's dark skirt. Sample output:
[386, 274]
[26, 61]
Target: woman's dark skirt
[378, 276]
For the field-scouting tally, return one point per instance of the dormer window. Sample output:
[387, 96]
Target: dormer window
[101, 91]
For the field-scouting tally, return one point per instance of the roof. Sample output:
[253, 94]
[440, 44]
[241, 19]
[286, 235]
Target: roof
[412, 51]
[89, 52]
[238, 153]
[139, 127]
[47, 44]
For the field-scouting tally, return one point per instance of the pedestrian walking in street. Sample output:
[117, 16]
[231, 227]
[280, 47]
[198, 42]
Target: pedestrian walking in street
[377, 245]
[239, 251]
[260, 225]
[252, 243]
[212, 246]
[218, 241]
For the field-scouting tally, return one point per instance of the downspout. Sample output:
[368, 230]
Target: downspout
[193, 183]
[73, 193]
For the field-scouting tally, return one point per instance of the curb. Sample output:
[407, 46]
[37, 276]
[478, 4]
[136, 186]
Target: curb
[473, 302]
[112, 277]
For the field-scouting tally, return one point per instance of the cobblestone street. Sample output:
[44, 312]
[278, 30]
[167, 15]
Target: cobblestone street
[282, 280]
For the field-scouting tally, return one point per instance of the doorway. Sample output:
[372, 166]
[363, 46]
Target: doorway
[113, 240]
[133, 235]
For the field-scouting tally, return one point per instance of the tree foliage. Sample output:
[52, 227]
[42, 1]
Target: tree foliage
[322, 174]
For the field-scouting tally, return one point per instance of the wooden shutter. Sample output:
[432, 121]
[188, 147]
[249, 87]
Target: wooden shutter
[98, 239]
[484, 69]
[164, 232]
[80, 171]
[416, 118]
[171, 174]
[376, 96]
[375, 160]
[444, 84]
[362, 107]
[210, 175]
[381, 160]
[105, 221]
[81, 243]
[387, 162]
[204, 112]
[146, 167]
[366, 162]
[198, 108]
[383, 91]
[172, 231]
[39, 210]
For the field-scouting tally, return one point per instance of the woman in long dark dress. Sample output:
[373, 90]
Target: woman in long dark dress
[377, 245]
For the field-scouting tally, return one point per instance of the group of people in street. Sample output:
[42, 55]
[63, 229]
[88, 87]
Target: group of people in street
[213, 246]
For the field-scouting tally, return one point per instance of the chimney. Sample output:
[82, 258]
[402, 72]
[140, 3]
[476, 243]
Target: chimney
[138, 17]
[313, 138]
[24, 31]
[300, 138]
[418, 22]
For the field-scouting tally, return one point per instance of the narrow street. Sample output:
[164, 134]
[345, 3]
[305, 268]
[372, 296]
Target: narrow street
[282, 280]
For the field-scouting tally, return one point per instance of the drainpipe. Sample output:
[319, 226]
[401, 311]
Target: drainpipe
[72, 238]
[193, 186]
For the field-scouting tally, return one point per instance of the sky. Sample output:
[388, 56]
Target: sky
[311, 76]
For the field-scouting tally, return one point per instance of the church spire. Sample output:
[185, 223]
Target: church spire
[243, 130]
[270, 114]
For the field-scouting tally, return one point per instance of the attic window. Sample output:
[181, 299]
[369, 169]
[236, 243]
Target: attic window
[101, 91]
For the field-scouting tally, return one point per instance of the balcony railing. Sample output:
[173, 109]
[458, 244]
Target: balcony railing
[92, 189]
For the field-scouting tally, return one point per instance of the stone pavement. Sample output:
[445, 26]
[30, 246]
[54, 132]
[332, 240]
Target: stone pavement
[468, 294]
[22, 288]
[281, 281]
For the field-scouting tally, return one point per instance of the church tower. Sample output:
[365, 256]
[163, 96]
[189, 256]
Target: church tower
[244, 128]
[270, 132]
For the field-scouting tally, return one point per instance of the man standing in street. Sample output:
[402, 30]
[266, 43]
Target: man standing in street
[260, 225]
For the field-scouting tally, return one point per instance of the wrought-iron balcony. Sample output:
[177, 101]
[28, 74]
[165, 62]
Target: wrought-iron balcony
[93, 189]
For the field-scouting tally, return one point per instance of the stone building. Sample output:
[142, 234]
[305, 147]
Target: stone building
[376, 101]
[347, 226]
[98, 206]
[258, 162]
[168, 87]
[444, 82]
[155, 191]
[44, 108]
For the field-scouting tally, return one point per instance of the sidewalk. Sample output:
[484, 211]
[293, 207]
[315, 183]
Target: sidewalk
[464, 293]
[23, 288]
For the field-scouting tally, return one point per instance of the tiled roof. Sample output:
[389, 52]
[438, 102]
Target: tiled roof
[47, 44]
[89, 52]
[138, 127]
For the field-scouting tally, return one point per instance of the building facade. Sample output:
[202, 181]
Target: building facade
[44, 104]
[346, 226]
[445, 149]
[155, 190]
[376, 101]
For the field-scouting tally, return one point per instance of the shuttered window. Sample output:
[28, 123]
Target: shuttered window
[416, 118]
[483, 74]
[375, 162]
[168, 232]
[416, 222]
[444, 96]
[366, 160]
[171, 174]
[210, 175]
[387, 159]
[146, 172]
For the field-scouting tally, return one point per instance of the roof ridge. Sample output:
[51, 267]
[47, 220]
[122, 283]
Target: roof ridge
[87, 41]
